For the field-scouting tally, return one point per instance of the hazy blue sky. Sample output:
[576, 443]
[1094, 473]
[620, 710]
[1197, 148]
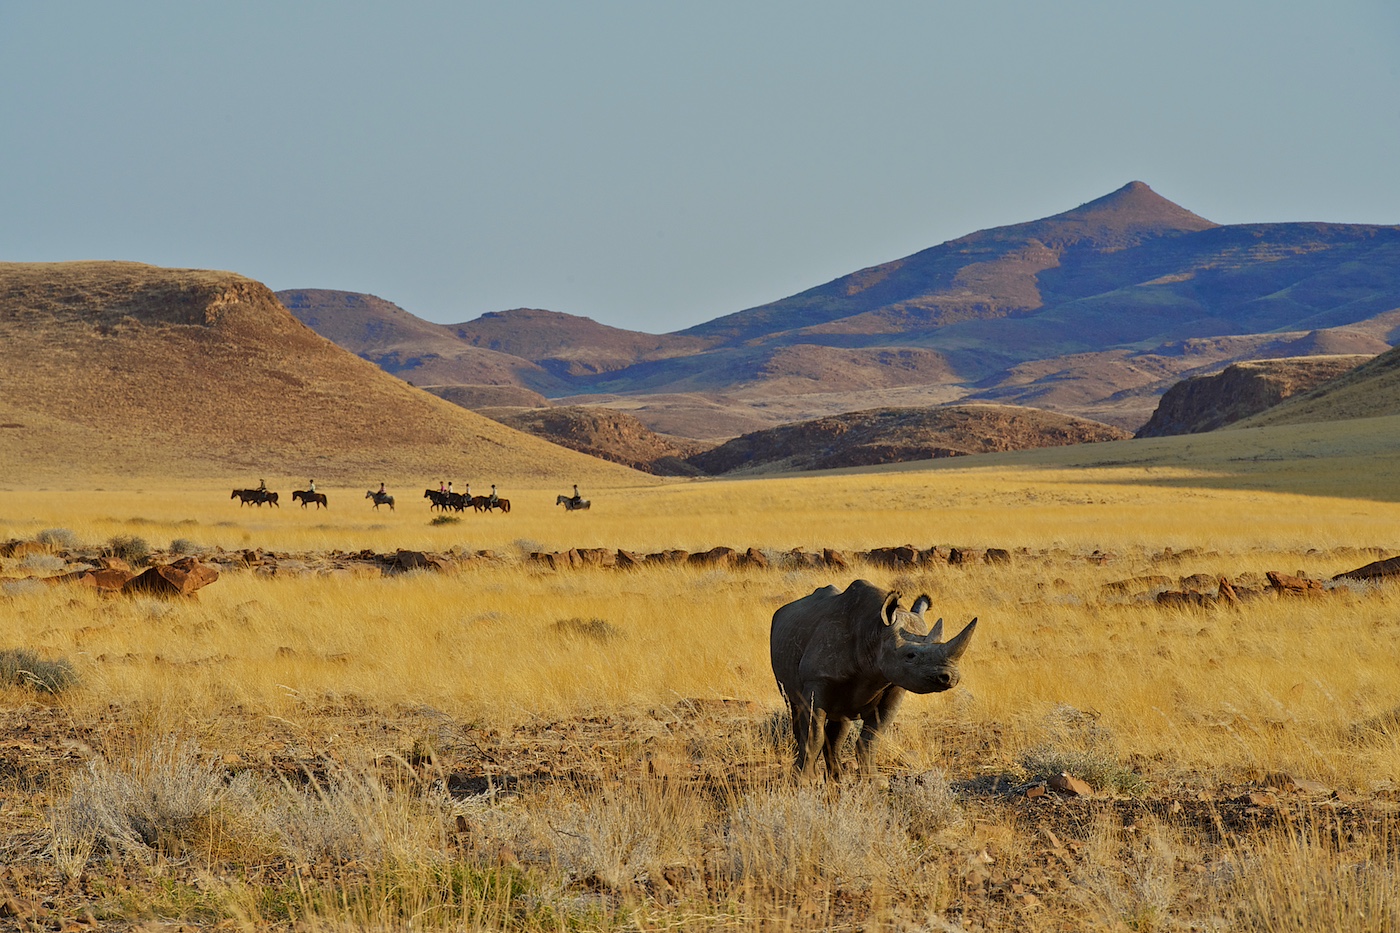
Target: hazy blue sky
[656, 164]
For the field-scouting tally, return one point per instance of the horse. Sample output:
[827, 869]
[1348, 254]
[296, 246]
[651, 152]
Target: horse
[255, 496]
[456, 501]
[571, 504]
[307, 497]
[380, 498]
[439, 499]
[483, 504]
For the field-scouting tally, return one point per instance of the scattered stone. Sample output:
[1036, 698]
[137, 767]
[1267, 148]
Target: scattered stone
[1292, 585]
[997, 555]
[1069, 785]
[714, 557]
[836, 560]
[753, 557]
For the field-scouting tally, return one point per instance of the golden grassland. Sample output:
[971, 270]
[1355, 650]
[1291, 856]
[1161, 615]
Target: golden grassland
[509, 747]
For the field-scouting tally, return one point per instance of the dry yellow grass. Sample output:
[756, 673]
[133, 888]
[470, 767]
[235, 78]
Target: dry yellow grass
[644, 800]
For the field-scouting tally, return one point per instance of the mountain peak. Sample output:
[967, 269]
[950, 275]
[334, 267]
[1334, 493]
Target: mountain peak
[1136, 207]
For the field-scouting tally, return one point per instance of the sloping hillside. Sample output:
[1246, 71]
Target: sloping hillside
[894, 435]
[1204, 403]
[123, 369]
[1368, 391]
[988, 274]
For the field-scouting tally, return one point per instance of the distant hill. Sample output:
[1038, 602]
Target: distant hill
[407, 346]
[570, 346]
[1368, 391]
[1204, 403]
[894, 435]
[478, 397]
[123, 369]
[1095, 311]
[602, 432]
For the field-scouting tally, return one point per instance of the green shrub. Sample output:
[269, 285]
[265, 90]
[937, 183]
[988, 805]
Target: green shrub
[445, 520]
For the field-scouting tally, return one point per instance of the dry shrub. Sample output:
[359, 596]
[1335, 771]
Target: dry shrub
[787, 837]
[1320, 876]
[1130, 882]
[130, 548]
[924, 803]
[1082, 746]
[626, 834]
[41, 563]
[57, 539]
[355, 817]
[166, 800]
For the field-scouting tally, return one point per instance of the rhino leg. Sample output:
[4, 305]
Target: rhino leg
[873, 721]
[836, 732]
[808, 728]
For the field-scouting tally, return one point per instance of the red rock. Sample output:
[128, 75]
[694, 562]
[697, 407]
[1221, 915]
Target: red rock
[1066, 783]
[1297, 586]
[836, 560]
[181, 578]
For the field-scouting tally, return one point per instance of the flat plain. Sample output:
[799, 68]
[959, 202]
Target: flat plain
[500, 744]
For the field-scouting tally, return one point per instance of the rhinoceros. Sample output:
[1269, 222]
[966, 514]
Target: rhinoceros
[841, 656]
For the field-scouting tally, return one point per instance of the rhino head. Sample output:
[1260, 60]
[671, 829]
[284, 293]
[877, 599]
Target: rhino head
[909, 658]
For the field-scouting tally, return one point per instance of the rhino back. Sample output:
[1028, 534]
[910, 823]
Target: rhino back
[826, 635]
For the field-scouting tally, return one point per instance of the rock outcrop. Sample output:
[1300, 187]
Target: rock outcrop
[894, 435]
[1205, 403]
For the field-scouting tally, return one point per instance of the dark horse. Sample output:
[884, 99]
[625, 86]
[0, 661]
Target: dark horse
[255, 496]
[380, 498]
[307, 497]
[483, 504]
[438, 499]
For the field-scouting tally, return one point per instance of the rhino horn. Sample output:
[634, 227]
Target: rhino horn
[936, 633]
[887, 610]
[921, 604]
[953, 650]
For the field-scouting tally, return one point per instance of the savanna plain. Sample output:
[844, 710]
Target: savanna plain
[503, 744]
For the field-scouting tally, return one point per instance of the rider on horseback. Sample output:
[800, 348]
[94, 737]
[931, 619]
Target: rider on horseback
[577, 500]
[493, 499]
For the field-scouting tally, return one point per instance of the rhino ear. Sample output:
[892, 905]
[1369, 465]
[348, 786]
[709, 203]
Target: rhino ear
[920, 604]
[888, 609]
[936, 633]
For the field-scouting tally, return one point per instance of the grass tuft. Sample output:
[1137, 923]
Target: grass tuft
[24, 668]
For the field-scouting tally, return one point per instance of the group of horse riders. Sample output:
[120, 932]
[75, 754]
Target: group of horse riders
[447, 498]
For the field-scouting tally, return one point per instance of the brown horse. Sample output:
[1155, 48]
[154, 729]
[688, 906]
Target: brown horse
[255, 496]
[307, 497]
[483, 504]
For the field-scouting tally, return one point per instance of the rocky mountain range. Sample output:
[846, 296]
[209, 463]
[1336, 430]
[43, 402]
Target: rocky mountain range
[1094, 312]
